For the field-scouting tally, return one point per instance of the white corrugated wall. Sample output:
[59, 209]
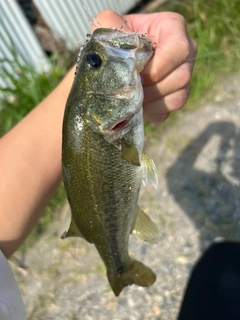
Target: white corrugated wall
[70, 21]
[16, 35]
[67, 18]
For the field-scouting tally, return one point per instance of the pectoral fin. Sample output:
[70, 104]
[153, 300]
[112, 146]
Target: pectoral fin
[149, 175]
[130, 153]
[72, 231]
[145, 229]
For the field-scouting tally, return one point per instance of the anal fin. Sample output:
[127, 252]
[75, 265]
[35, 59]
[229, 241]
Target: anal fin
[145, 229]
[73, 231]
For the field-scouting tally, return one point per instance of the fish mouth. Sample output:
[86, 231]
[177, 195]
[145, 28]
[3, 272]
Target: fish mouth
[120, 125]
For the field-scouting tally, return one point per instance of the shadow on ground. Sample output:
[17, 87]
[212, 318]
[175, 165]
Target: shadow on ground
[210, 195]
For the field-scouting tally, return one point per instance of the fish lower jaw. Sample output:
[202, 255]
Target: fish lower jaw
[123, 123]
[118, 130]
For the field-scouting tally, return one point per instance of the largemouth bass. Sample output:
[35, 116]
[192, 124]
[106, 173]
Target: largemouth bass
[103, 157]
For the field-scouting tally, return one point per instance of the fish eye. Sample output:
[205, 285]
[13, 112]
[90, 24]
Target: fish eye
[94, 59]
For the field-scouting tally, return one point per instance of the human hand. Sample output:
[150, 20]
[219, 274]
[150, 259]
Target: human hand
[166, 78]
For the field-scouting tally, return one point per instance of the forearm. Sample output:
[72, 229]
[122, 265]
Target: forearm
[30, 167]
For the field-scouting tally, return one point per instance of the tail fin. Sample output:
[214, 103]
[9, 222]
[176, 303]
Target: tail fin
[136, 273]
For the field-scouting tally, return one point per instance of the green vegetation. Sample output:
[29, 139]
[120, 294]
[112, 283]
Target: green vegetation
[26, 88]
[214, 25]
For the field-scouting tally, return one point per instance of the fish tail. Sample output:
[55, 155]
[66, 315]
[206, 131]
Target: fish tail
[135, 273]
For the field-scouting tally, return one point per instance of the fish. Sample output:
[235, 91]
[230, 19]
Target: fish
[103, 155]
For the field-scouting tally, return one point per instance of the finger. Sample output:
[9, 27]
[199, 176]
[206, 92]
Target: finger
[176, 80]
[172, 83]
[168, 30]
[172, 102]
[152, 117]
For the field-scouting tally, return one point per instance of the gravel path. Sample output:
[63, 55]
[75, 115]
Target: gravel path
[196, 202]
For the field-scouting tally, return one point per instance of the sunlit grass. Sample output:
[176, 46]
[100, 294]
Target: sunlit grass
[25, 88]
[215, 27]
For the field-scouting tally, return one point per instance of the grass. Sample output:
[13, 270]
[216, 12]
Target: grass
[214, 24]
[26, 88]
